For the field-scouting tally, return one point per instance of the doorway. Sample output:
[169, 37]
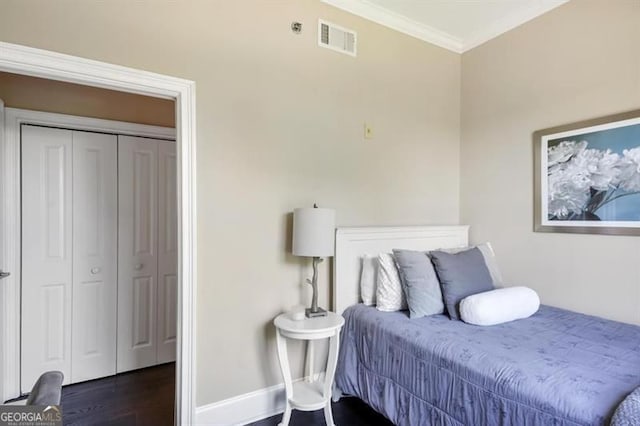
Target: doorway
[98, 238]
[39, 63]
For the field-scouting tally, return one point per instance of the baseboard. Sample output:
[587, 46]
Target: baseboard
[243, 409]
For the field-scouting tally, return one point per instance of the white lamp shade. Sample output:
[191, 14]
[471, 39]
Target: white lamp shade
[314, 232]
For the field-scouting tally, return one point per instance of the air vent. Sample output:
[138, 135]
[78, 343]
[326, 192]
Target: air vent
[336, 38]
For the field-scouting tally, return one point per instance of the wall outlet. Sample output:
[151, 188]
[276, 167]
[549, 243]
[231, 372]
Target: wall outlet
[368, 131]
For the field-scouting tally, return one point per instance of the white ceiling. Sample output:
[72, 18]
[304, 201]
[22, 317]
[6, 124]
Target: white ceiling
[457, 25]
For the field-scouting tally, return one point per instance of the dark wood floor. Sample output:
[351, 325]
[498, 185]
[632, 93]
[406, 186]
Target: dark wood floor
[141, 397]
[346, 412]
[146, 397]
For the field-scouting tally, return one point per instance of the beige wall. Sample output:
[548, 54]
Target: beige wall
[37, 94]
[280, 125]
[577, 62]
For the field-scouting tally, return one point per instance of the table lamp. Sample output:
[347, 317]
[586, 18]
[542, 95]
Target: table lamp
[314, 236]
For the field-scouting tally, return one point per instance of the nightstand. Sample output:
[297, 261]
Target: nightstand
[308, 394]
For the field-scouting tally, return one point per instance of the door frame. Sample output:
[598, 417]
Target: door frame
[19, 59]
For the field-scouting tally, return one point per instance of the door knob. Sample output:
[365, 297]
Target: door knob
[95, 270]
[138, 266]
[4, 274]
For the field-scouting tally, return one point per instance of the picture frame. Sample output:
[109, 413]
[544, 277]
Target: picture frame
[587, 176]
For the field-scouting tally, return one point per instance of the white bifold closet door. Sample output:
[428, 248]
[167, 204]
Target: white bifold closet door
[69, 278]
[95, 256]
[46, 253]
[147, 252]
[167, 251]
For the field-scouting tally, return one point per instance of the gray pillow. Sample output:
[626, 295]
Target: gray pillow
[419, 283]
[461, 274]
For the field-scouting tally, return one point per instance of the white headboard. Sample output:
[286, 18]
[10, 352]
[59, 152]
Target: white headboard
[353, 243]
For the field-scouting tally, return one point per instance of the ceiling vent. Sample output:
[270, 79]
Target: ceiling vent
[336, 38]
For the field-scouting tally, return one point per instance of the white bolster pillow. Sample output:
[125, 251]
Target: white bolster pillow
[498, 306]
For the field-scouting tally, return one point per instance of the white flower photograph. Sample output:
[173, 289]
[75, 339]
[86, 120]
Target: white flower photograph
[588, 176]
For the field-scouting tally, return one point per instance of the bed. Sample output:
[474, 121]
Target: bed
[554, 368]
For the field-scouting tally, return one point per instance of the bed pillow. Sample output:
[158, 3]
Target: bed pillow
[419, 283]
[499, 306]
[368, 279]
[461, 274]
[389, 295]
[489, 258]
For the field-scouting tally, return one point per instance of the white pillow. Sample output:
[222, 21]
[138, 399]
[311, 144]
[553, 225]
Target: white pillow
[389, 295]
[499, 306]
[368, 279]
[492, 264]
[489, 259]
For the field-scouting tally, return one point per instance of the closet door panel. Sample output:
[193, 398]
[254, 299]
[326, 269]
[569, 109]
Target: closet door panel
[46, 253]
[167, 251]
[95, 255]
[137, 252]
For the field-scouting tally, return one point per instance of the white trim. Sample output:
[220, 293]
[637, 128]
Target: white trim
[4, 349]
[247, 408]
[243, 409]
[405, 25]
[50, 65]
[73, 69]
[15, 117]
[387, 18]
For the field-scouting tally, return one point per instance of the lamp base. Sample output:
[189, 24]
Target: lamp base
[319, 313]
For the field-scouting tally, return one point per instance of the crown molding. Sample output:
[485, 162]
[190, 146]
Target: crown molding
[510, 22]
[398, 22]
[424, 32]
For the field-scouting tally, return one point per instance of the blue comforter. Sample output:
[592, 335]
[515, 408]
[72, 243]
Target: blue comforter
[554, 368]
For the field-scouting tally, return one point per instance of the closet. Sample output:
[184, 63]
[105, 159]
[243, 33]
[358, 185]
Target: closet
[99, 253]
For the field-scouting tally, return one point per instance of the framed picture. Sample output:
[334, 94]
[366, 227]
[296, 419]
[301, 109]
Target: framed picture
[587, 176]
